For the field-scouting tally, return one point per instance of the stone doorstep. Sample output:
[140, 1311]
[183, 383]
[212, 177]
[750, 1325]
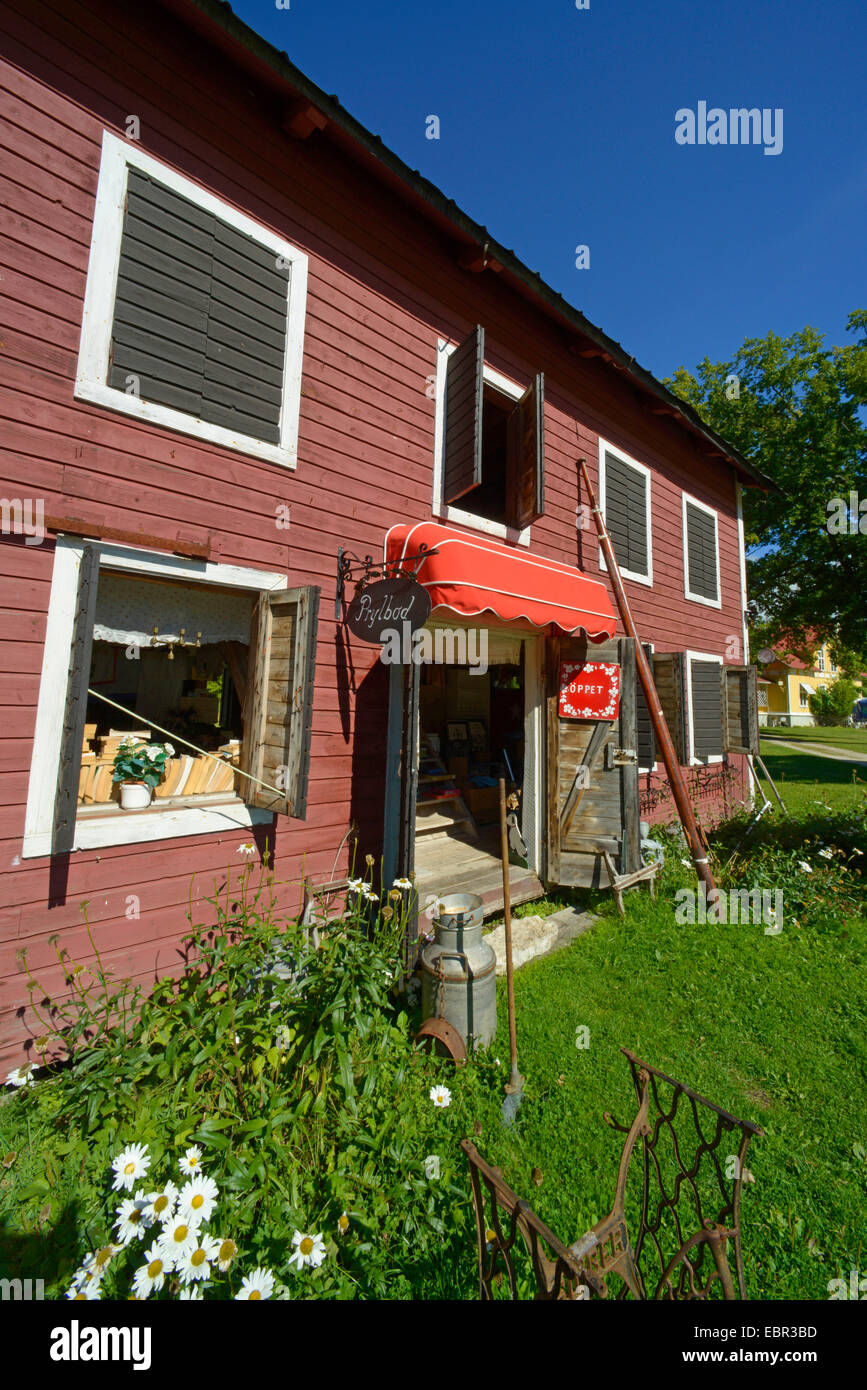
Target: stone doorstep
[539, 936]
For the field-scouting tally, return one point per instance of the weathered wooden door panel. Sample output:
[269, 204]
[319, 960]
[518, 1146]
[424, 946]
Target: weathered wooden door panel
[740, 709]
[606, 816]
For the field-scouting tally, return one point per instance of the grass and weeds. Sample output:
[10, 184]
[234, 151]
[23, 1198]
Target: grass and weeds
[842, 737]
[812, 785]
[302, 1088]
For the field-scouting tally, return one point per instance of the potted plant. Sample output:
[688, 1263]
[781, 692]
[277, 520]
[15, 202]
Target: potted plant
[138, 767]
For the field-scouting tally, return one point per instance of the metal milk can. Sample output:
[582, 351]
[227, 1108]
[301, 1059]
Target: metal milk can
[458, 970]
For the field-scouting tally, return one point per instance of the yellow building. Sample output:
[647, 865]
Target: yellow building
[786, 684]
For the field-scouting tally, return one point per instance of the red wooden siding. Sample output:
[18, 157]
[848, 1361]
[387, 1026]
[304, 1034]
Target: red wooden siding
[383, 286]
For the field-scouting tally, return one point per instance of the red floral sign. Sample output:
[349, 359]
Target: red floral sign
[589, 690]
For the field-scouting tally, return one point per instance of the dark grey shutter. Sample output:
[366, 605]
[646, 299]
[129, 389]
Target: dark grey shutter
[646, 740]
[525, 457]
[75, 711]
[464, 406]
[701, 556]
[626, 514]
[707, 737]
[200, 314]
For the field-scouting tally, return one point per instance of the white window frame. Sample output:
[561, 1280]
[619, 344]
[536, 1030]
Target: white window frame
[118, 828]
[606, 448]
[820, 660]
[692, 759]
[91, 382]
[699, 598]
[440, 509]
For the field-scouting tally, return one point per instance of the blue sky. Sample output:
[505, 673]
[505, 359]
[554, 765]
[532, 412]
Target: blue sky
[557, 129]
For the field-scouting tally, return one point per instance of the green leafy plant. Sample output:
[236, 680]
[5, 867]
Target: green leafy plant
[141, 762]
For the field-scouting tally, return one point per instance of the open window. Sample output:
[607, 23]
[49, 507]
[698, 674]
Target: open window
[203, 657]
[491, 448]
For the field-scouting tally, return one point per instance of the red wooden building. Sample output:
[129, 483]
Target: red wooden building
[238, 334]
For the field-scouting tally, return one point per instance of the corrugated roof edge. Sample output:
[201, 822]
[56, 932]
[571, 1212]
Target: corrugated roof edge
[216, 18]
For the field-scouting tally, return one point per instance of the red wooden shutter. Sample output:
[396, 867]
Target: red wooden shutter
[464, 406]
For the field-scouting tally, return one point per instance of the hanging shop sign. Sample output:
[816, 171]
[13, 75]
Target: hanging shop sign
[589, 690]
[384, 606]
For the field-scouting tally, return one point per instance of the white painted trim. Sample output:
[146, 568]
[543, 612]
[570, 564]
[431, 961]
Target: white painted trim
[703, 507]
[457, 515]
[91, 382]
[606, 448]
[690, 658]
[742, 569]
[532, 801]
[92, 832]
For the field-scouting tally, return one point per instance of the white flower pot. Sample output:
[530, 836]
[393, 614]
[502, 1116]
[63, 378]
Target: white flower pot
[134, 796]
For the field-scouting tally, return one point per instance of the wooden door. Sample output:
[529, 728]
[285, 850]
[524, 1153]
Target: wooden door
[592, 773]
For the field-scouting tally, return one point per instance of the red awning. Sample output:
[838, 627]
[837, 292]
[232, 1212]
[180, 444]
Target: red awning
[472, 575]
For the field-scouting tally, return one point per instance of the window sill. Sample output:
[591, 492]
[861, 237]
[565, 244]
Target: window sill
[101, 828]
[451, 516]
[697, 598]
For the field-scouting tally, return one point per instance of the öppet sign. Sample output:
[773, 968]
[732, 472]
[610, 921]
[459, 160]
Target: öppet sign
[589, 690]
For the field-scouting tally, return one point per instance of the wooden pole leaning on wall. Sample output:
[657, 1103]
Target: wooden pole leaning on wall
[695, 840]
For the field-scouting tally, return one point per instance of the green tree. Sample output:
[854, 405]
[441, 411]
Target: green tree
[795, 408]
[833, 705]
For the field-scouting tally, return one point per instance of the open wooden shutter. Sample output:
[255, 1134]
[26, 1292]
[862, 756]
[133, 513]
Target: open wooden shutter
[525, 457]
[669, 677]
[599, 812]
[279, 706]
[69, 767]
[740, 709]
[464, 408]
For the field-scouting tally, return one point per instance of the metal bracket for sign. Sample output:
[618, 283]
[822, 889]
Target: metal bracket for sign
[407, 567]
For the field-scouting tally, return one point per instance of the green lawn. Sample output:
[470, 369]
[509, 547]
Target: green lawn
[854, 739]
[809, 782]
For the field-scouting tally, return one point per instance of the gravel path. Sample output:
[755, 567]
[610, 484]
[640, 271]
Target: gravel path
[847, 755]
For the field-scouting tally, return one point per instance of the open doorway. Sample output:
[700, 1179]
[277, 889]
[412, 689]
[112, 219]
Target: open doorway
[478, 721]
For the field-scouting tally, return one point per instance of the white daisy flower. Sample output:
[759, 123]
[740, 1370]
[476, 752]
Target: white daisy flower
[132, 1218]
[356, 885]
[259, 1284]
[161, 1205]
[248, 849]
[86, 1294]
[805, 867]
[191, 1163]
[226, 1254]
[343, 1223]
[402, 883]
[197, 1198]
[192, 1293]
[129, 1165]
[178, 1238]
[88, 1272]
[826, 854]
[22, 1076]
[441, 1096]
[196, 1263]
[309, 1250]
[152, 1274]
